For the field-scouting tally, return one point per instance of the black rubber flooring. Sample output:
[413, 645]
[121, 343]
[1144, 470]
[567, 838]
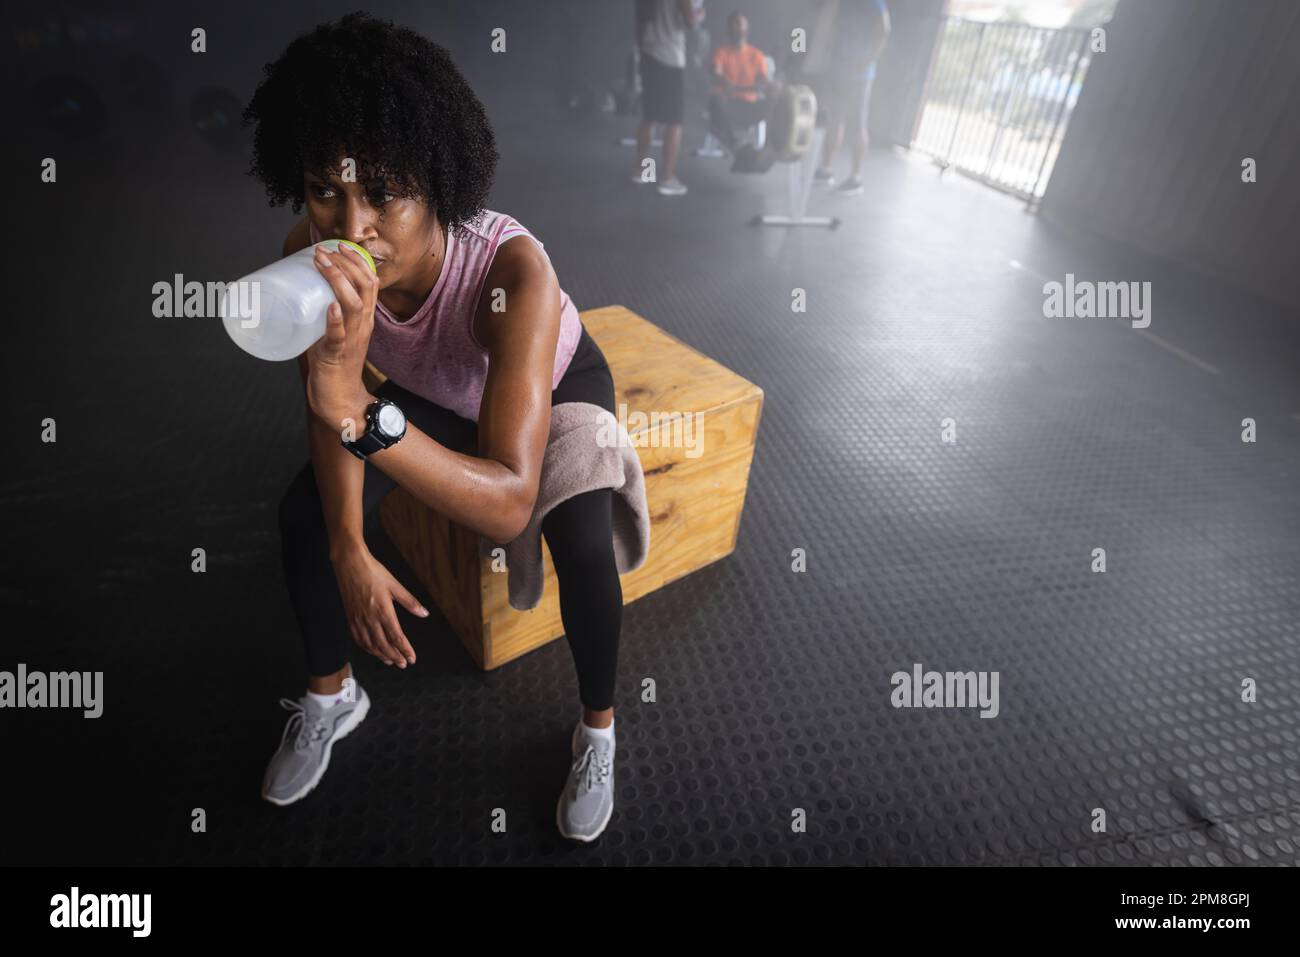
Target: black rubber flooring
[1119, 691]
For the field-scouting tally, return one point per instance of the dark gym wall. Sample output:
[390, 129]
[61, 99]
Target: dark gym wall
[548, 44]
[136, 53]
[1185, 90]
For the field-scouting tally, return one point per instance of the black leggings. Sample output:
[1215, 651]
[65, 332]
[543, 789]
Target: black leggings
[579, 534]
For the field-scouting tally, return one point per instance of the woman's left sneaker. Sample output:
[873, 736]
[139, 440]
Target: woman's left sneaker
[585, 807]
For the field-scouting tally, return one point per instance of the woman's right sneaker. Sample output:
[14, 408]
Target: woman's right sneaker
[304, 751]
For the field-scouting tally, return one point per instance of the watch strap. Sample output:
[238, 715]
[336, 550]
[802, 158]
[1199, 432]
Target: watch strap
[366, 444]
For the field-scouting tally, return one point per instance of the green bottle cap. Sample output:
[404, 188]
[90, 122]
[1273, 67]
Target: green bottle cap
[359, 249]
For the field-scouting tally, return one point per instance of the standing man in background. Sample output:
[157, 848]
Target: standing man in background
[661, 27]
[861, 31]
[857, 32]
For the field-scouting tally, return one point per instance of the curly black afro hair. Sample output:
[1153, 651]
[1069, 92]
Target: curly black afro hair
[385, 96]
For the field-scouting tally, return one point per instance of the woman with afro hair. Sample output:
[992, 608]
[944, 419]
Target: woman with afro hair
[374, 130]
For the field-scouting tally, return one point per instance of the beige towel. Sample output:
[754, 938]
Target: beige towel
[576, 461]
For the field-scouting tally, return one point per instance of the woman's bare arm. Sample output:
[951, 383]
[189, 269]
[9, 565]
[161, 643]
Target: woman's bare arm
[340, 475]
[492, 493]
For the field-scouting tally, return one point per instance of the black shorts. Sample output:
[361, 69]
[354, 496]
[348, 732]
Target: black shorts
[663, 91]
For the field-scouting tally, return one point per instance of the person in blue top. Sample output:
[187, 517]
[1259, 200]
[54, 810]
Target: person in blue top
[860, 31]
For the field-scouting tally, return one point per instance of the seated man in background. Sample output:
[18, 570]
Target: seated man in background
[740, 76]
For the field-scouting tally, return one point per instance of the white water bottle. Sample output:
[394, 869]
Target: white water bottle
[278, 312]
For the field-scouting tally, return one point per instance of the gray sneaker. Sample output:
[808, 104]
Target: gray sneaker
[851, 187]
[304, 751]
[587, 803]
[672, 187]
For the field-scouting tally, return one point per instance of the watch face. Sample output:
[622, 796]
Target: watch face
[391, 420]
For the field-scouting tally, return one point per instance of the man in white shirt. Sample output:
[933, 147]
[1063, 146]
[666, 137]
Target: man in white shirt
[661, 27]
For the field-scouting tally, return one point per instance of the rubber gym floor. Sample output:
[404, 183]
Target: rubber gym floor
[1119, 691]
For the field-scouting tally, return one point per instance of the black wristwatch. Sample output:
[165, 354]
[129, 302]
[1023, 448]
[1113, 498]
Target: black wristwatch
[385, 426]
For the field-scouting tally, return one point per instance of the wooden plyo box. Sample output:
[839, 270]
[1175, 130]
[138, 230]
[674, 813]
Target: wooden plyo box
[695, 480]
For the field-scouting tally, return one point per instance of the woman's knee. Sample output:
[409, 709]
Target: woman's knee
[579, 533]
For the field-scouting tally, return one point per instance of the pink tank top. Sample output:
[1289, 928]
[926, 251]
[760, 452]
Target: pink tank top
[435, 353]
